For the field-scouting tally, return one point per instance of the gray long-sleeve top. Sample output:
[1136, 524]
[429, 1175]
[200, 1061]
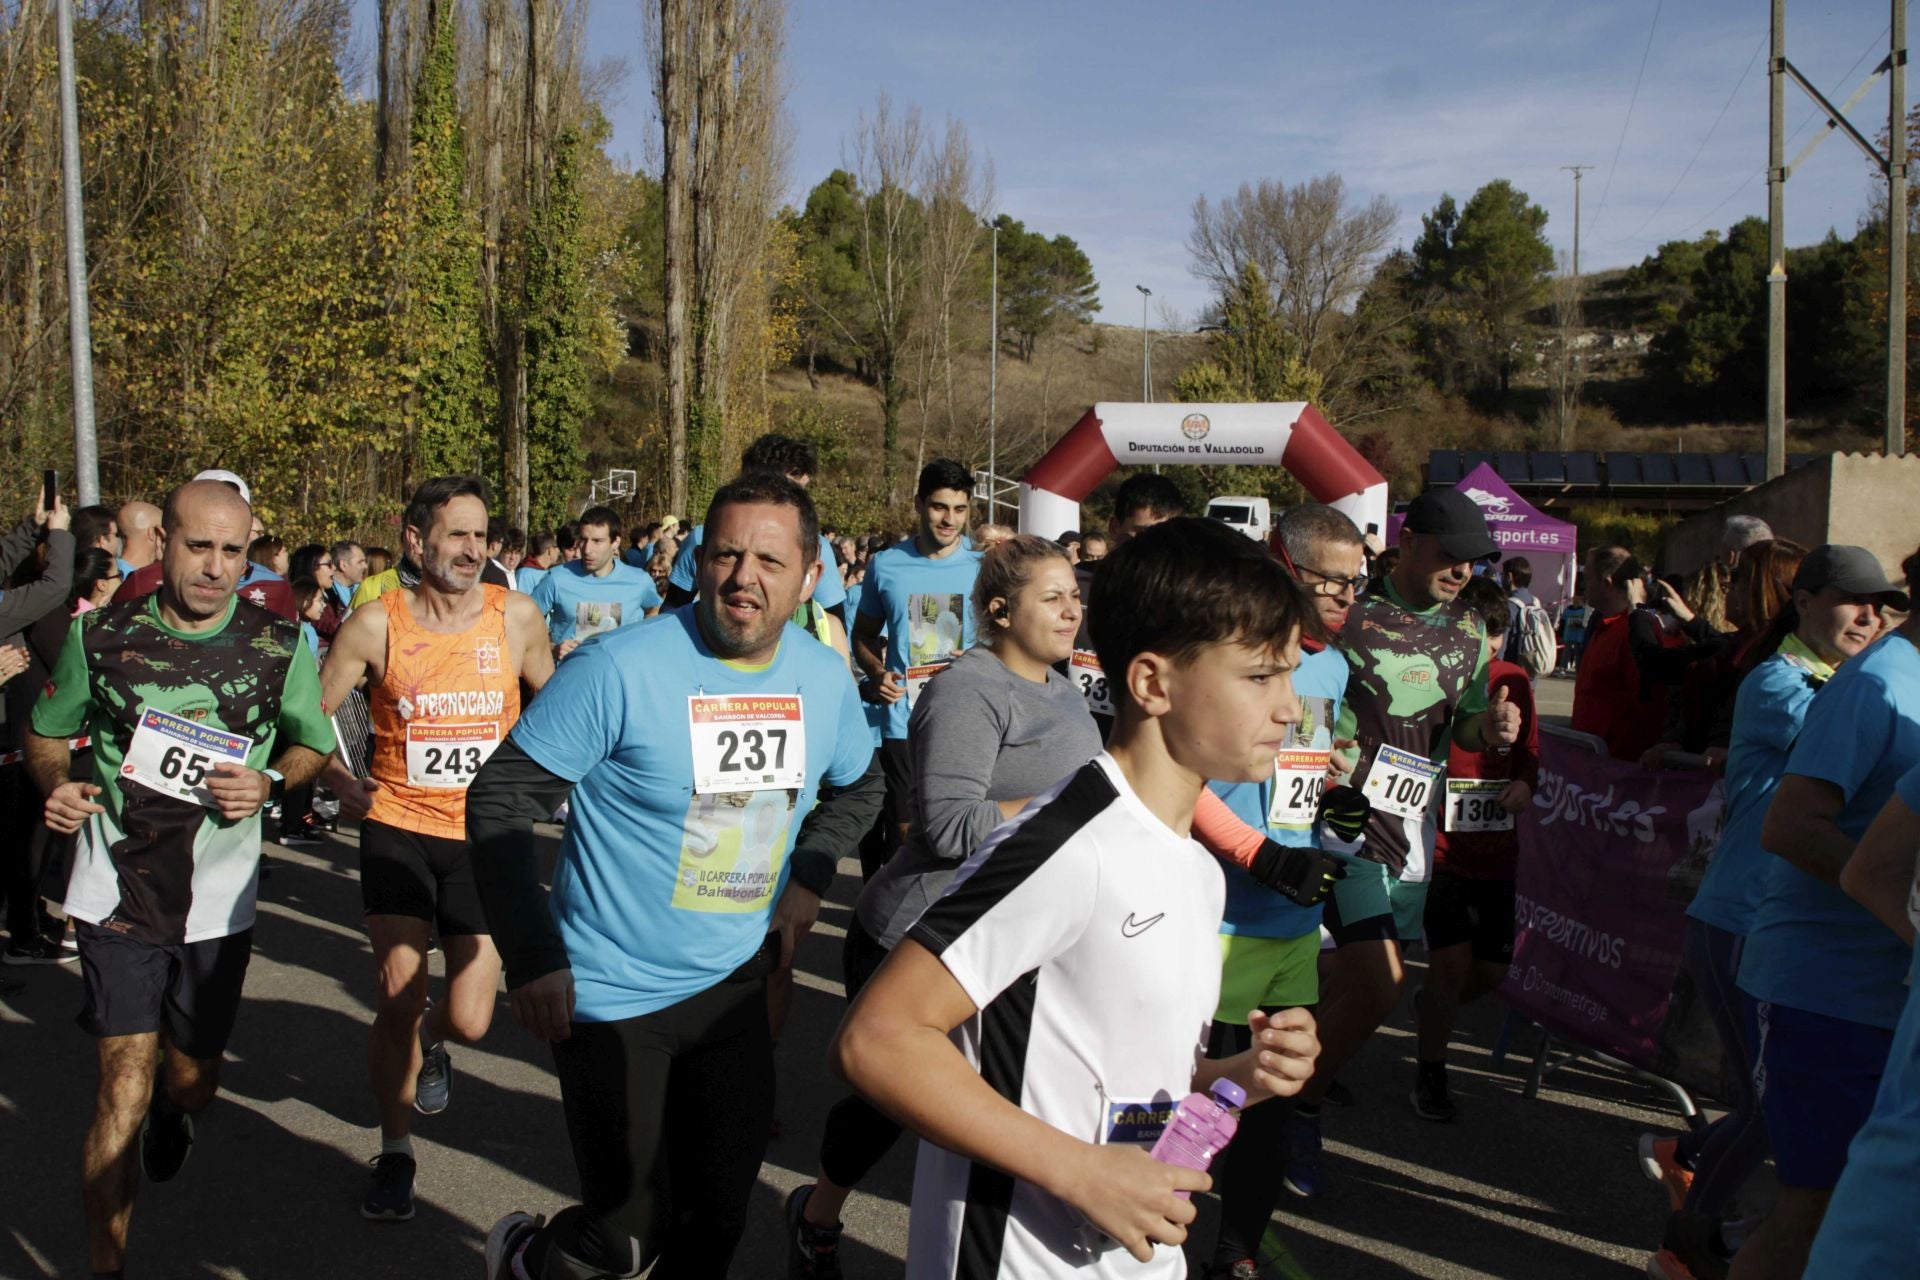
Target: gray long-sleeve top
[25, 605]
[978, 734]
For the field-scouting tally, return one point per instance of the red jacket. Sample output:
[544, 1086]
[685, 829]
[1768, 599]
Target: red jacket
[1608, 700]
[269, 593]
[1493, 855]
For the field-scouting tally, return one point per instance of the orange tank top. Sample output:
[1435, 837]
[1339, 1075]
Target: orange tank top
[445, 703]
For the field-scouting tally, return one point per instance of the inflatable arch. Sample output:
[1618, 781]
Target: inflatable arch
[1292, 435]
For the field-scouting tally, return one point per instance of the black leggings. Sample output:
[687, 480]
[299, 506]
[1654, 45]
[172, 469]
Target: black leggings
[669, 1115]
[1251, 1169]
[858, 1134]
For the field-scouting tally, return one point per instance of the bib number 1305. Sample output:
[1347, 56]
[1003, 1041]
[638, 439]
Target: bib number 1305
[747, 742]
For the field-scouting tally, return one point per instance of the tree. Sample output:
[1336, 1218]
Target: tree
[1486, 267]
[1044, 284]
[1252, 355]
[556, 326]
[1565, 372]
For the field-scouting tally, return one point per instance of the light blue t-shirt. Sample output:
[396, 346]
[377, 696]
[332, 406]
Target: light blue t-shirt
[660, 892]
[828, 589]
[926, 608]
[1812, 947]
[580, 606]
[1871, 1228]
[1252, 908]
[1767, 714]
[527, 577]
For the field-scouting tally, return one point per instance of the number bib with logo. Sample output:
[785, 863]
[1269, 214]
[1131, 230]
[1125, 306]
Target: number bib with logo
[175, 756]
[446, 756]
[1299, 777]
[745, 742]
[1092, 681]
[1400, 782]
[1473, 804]
[917, 678]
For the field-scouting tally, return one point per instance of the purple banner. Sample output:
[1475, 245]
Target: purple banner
[1610, 855]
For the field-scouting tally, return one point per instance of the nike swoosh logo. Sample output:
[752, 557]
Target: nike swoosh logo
[1131, 928]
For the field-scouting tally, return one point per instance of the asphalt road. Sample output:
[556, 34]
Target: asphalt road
[1516, 1188]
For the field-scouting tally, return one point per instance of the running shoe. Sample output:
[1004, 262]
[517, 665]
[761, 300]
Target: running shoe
[1244, 1269]
[504, 1243]
[1660, 1161]
[433, 1087]
[1338, 1095]
[166, 1140]
[1303, 1156]
[302, 833]
[39, 950]
[1431, 1100]
[390, 1189]
[813, 1253]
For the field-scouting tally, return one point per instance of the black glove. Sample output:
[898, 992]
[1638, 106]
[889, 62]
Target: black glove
[1345, 810]
[1304, 875]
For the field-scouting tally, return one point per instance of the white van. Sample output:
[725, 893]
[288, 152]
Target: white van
[1251, 516]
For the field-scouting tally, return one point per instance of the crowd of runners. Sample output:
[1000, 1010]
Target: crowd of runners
[1135, 810]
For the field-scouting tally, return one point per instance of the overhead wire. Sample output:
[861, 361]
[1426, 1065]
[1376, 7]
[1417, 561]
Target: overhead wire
[1702, 148]
[1632, 101]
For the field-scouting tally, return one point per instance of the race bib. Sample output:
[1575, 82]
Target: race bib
[446, 756]
[1085, 668]
[1400, 782]
[732, 849]
[175, 756]
[1299, 776]
[747, 742]
[592, 617]
[1138, 1123]
[1473, 804]
[917, 678]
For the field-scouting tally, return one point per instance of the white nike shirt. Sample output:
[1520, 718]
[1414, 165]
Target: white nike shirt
[1086, 932]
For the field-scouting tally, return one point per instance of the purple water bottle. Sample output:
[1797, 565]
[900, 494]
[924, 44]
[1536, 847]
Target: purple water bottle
[1200, 1127]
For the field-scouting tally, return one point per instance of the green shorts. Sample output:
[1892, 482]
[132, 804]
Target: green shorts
[1372, 902]
[1266, 973]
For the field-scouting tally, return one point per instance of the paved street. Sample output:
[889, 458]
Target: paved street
[1518, 1188]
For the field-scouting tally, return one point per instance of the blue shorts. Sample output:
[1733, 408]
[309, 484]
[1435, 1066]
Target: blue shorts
[1816, 1078]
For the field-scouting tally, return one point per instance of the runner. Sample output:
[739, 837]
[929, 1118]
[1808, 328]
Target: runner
[1270, 941]
[443, 664]
[782, 456]
[1143, 501]
[1871, 1228]
[543, 552]
[1824, 980]
[596, 593]
[1417, 683]
[693, 747]
[919, 591]
[1469, 912]
[199, 707]
[257, 585]
[1076, 955]
[1000, 727]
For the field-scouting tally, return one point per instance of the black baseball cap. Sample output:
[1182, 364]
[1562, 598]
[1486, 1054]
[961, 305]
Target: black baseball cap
[1853, 570]
[1458, 522]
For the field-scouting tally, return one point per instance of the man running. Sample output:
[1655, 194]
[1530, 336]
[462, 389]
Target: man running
[693, 747]
[443, 663]
[199, 707]
[596, 593]
[1417, 683]
[920, 592]
[1144, 500]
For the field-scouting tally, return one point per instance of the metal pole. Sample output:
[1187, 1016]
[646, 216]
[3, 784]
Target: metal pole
[1146, 354]
[1776, 245]
[993, 384]
[1897, 234]
[86, 448]
[1577, 170]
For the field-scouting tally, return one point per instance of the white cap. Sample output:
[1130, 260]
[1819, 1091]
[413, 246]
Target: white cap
[227, 477]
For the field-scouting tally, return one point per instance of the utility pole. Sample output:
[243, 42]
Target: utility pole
[1897, 234]
[86, 447]
[1576, 170]
[1146, 352]
[1777, 244]
[993, 380]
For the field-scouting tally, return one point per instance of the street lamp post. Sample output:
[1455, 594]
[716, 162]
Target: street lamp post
[86, 450]
[993, 381]
[1146, 352]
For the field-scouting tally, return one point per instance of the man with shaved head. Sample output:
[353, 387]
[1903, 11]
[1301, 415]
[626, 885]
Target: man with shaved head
[200, 706]
[139, 535]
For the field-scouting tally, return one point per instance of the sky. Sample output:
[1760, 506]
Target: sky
[1104, 120]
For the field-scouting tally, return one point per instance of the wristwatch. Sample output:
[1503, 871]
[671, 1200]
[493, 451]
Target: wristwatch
[277, 783]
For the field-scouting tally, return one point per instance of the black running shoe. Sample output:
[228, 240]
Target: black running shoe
[390, 1189]
[1430, 1097]
[39, 950]
[166, 1140]
[813, 1253]
[433, 1087]
[1243, 1269]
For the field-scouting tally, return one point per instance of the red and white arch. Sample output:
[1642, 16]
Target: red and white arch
[1292, 435]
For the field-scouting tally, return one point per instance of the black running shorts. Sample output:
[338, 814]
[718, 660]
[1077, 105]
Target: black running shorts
[1464, 910]
[191, 989]
[404, 873]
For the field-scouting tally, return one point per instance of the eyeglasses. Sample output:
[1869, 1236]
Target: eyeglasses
[1332, 584]
[323, 564]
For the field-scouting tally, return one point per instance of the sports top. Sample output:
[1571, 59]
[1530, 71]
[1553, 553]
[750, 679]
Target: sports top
[444, 704]
[926, 607]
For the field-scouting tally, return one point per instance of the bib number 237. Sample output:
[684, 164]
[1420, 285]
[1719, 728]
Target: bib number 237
[747, 742]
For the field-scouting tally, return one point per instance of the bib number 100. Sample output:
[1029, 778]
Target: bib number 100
[1405, 789]
[748, 750]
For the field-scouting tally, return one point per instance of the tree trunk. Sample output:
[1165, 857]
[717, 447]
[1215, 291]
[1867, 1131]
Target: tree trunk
[673, 182]
[383, 93]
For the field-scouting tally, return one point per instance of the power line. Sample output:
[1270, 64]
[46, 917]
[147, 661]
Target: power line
[1701, 149]
[1631, 101]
